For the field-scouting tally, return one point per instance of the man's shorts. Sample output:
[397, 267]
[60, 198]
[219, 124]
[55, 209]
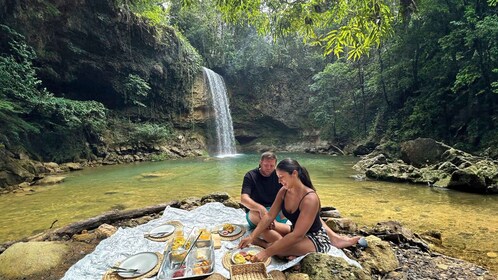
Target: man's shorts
[280, 218]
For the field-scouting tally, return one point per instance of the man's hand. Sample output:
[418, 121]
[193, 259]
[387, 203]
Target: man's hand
[262, 212]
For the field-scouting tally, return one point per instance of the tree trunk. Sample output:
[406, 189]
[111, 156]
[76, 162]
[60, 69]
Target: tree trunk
[95, 222]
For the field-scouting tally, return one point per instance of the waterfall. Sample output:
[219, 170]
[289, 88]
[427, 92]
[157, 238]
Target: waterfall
[225, 139]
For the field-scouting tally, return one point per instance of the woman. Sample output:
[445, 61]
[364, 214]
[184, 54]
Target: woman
[298, 201]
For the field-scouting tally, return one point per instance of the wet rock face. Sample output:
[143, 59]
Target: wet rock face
[86, 49]
[12, 170]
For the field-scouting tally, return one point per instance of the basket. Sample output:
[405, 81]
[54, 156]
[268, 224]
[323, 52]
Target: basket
[250, 271]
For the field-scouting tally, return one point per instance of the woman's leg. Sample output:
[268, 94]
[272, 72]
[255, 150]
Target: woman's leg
[302, 247]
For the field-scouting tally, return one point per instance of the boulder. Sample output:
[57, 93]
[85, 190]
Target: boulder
[364, 149]
[368, 162]
[394, 172]
[320, 266]
[468, 181]
[26, 259]
[395, 232]
[105, 230]
[378, 257]
[14, 171]
[341, 225]
[297, 276]
[422, 151]
[72, 166]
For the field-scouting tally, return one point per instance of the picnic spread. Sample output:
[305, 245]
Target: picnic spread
[179, 245]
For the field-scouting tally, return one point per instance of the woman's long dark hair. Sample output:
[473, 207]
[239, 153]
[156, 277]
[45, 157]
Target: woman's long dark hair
[289, 165]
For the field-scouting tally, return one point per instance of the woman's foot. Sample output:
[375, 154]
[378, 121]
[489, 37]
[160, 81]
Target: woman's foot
[345, 241]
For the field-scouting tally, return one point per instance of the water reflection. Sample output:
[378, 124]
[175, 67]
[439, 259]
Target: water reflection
[468, 222]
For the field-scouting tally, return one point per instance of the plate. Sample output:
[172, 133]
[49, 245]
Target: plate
[236, 231]
[252, 250]
[162, 231]
[144, 262]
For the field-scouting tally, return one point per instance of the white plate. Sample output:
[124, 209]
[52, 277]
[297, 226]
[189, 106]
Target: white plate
[144, 262]
[162, 231]
[236, 231]
[255, 249]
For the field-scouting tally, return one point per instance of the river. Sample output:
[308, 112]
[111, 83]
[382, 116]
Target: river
[468, 222]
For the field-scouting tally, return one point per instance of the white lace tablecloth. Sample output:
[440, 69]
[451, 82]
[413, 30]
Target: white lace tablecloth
[130, 241]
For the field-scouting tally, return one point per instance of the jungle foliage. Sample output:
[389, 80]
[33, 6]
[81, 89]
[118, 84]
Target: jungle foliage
[351, 27]
[30, 115]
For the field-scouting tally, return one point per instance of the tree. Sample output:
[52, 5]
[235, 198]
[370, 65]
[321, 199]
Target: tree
[349, 27]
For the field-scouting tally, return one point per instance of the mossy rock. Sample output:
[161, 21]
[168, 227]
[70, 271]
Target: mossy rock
[26, 259]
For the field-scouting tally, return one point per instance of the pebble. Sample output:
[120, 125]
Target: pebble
[491, 255]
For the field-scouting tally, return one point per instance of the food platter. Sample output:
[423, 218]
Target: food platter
[243, 256]
[199, 264]
[225, 231]
[142, 262]
[161, 231]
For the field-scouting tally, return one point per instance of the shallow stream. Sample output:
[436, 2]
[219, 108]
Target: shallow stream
[468, 222]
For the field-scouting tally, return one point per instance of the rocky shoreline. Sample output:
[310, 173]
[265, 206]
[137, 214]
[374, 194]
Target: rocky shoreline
[393, 251]
[18, 172]
[428, 162]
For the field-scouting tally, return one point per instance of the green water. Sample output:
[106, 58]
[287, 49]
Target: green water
[468, 222]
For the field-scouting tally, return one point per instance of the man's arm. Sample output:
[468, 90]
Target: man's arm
[248, 185]
[252, 205]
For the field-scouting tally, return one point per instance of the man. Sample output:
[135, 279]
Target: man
[259, 189]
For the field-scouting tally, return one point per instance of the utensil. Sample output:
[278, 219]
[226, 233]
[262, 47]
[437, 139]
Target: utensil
[143, 262]
[123, 269]
[156, 234]
[190, 249]
[160, 231]
[188, 236]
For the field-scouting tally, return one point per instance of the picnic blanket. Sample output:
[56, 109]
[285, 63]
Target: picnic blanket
[129, 241]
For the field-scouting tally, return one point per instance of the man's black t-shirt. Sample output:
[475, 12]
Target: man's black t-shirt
[261, 189]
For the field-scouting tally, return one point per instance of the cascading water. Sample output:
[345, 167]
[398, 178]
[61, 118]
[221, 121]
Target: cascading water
[225, 139]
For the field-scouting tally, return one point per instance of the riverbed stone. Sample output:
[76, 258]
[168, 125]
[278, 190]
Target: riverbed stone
[30, 258]
[50, 180]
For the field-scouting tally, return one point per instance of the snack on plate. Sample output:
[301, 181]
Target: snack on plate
[228, 228]
[204, 234]
[178, 255]
[239, 258]
[243, 257]
[178, 241]
[179, 272]
[202, 267]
